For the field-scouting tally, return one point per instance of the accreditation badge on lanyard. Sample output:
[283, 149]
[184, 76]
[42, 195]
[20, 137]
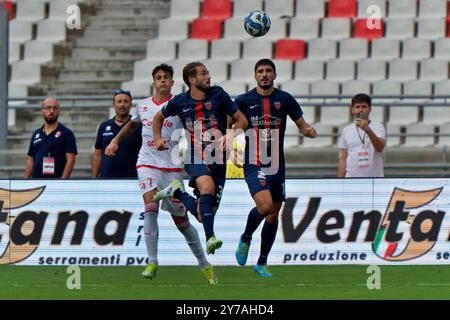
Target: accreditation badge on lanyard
[48, 165]
[363, 151]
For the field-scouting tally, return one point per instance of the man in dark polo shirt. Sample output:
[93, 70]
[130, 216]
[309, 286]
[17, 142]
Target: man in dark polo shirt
[123, 164]
[52, 148]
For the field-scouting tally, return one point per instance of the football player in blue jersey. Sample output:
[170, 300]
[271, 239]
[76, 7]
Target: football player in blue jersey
[266, 109]
[203, 110]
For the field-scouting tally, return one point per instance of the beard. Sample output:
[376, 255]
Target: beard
[266, 86]
[50, 120]
[203, 87]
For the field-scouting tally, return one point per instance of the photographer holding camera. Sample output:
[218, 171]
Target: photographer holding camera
[362, 143]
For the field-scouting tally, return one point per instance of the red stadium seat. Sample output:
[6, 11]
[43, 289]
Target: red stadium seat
[9, 7]
[217, 9]
[362, 30]
[207, 29]
[342, 8]
[290, 49]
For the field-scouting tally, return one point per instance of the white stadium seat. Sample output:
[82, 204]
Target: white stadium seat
[402, 8]
[353, 49]
[173, 29]
[309, 71]
[336, 28]
[385, 49]
[161, 50]
[193, 49]
[416, 49]
[400, 28]
[225, 49]
[322, 49]
[310, 9]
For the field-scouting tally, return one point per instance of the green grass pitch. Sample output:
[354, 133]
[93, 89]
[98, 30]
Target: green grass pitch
[235, 283]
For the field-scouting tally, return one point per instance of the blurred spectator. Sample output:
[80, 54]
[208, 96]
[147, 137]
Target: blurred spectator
[362, 143]
[52, 148]
[123, 165]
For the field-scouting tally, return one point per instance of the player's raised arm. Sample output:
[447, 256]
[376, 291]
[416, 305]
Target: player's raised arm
[127, 129]
[158, 121]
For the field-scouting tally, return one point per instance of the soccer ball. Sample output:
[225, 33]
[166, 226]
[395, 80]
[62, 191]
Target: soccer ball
[257, 23]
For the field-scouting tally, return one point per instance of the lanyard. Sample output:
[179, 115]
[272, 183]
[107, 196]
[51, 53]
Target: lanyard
[363, 139]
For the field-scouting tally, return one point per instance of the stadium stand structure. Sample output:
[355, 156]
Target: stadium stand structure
[321, 47]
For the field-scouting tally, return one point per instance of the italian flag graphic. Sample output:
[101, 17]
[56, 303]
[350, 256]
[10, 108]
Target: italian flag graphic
[382, 248]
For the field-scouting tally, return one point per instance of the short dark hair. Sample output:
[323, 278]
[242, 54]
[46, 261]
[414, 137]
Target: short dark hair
[163, 67]
[362, 98]
[190, 70]
[265, 62]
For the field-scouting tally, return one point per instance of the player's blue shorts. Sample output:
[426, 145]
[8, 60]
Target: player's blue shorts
[258, 181]
[216, 171]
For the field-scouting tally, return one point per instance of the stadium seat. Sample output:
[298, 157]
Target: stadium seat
[184, 9]
[340, 70]
[242, 8]
[142, 70]
[364, 5]
[193, 49]
[255, 49]
[309, 70]
[14, 52]
[329, 88]
[386, 88]
[438, 114]
[279, 8]
[304, 29]
[137, 89]
[334, 115]
[30, 11]
[225, 50]
[284, 70]
[425, 132]
[178, 66]
[432, 8]
[322, 49]
[234, 30]
[218, 70]
[58, 9]
[432, 28]
[171, 29]
[310, 9]
[296, 88]
[369, 30]
[416, 49]
[292, 135]
[38, 52]
[402, 9]
[402, 28]
[402, 70]
[342, 8]
[217, 9]
[434, 70]
[290, 49]
[206, 29]
[20, 31]
[325, 137]
[242, 71]
[277, 30]
[371, 70]
[9, 7]
[444, 135]
[353, 49]
[442, 88]
[353, 87]
[17, 90]
[442, 49]
[393, 135]
[234, 88]
[336, 28]
[25, 73]
[161, 50]
[385, 49]
[419, 88]
[51, 31]
[403, 114]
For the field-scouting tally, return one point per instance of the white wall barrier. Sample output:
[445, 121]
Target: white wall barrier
[333, 221]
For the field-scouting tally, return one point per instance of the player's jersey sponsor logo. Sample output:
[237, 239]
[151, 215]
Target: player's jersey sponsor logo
[58, 134]
[265, 121]
[277, 105]
[149, 123]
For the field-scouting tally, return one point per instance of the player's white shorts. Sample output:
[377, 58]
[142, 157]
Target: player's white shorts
[152, 178]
